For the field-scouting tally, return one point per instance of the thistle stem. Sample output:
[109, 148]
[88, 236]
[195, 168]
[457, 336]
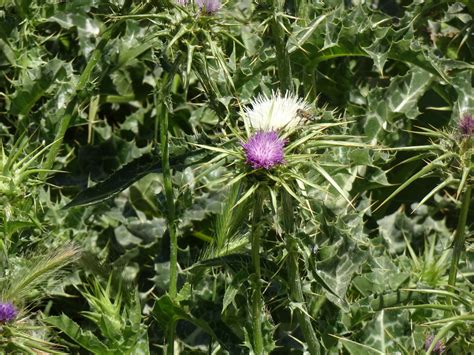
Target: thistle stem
[257, 287]
[162, 117]
[168, 188]
[294, 277]
[282, 56]
[296, 291]
[459, 236]
[170, 336]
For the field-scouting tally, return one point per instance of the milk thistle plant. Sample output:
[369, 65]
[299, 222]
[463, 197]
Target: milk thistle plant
[271, 156]
[449, 158]
[279, 136]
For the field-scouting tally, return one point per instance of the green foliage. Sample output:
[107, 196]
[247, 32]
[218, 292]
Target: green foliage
[121, 130]
[25, 282]
[117, 317]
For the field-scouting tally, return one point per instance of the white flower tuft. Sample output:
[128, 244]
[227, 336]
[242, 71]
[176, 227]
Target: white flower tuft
[275, 112]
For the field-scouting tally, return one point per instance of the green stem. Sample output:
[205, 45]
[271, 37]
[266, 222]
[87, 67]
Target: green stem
[297, 294]
[162, 117]
[168, 189]
[294, 277]
[303, 9]
[282, 56]
[170, 336]
[257, 286]
[459, 236]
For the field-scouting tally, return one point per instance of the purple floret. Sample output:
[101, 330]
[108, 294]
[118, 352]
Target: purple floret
[209, 6]
[8, 312]
[264, 150]
[439, 348]
[466, 125]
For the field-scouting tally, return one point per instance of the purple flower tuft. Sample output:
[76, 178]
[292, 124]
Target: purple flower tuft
[439, 348]
[209, 6]
[264, 150]
[466, 125]
[8, 312]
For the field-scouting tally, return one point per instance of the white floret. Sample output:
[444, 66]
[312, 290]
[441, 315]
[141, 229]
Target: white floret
[274, 113]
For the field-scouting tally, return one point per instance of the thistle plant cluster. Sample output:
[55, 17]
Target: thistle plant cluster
[242, 176]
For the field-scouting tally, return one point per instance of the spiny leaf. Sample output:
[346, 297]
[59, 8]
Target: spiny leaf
[166, 310]
[126, 176]
[333, 182]
[404, 92]
[32, 90]
[356, 348]
[426, 169]
[84, 338]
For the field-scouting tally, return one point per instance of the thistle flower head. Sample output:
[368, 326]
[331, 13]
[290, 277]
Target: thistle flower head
[275, 112]
[439, 348]
[466, 125]
[264, 150]
[8, 312]
[208, 6]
